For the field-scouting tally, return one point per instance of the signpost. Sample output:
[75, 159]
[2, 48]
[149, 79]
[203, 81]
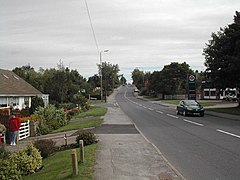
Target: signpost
[192, 87]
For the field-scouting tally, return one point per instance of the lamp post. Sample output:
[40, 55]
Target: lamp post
[100, 54]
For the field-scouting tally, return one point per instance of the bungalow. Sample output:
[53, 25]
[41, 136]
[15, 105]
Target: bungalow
[16, 92]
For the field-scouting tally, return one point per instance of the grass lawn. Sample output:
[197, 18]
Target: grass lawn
[59, 166]
[93, 111]
[234, 111]
[176, 102]
[79, 125]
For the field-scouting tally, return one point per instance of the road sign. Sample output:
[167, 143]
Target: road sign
[191, 78]
[192, 87]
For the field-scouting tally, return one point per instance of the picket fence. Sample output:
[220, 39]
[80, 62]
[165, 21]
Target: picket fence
[24, 131]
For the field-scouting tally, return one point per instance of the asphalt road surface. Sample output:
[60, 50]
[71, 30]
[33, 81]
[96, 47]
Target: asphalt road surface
[200, 148]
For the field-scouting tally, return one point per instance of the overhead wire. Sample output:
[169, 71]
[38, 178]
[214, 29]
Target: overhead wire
[91, 24]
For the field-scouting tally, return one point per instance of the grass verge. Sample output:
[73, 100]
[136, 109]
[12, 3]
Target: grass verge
[152, 98]
[234, 110]
[79, 125]
[59, 166]
[93, 111]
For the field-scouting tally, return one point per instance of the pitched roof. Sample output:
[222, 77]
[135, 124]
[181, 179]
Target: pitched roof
[12, 85]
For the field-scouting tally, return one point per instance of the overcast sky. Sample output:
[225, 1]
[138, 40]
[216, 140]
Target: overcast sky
[144, 34]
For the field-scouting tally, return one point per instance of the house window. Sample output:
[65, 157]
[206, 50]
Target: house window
[206, 93]
[3, 101]
[13, 101]
[26, 101]
[213, 93]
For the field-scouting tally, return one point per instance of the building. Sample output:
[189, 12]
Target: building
[16, 92]
[210, 92]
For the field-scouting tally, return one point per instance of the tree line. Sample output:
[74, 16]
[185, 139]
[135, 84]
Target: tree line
[171, 80]
[66, 85]
[222, 61]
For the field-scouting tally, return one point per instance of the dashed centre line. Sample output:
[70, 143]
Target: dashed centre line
[193, 122]
[159, 112]
[176, 117]
[172, 116]
[228, 133]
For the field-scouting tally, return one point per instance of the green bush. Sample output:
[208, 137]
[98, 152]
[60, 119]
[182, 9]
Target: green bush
[3, 152]
[87, 136]
[67, 105]
[50, 118]
[45, 146]
[8, 170]
[42, 130]
[28, 160]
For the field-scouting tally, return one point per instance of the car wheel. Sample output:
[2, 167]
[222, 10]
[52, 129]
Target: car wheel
[178, 112]
[201, 114]
[184, 113]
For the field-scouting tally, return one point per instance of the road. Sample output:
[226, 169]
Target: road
[198, 147]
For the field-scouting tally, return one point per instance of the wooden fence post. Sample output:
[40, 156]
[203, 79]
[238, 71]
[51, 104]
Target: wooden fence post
[65, 139]
[81, 147]
[74, 162]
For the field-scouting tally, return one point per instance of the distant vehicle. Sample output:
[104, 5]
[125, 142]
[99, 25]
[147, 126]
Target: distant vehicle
[187, 107]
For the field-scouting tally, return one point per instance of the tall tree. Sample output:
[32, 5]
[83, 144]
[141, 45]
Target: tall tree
[138, 78]
[222, 56]
[30, 75]
[109, 75]
[171, 80]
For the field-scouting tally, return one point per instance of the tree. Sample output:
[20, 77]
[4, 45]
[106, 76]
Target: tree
[35, 103]
[109, 75]
[222, 56]
[123, 79]
[55, 84]
[30, 75]
[94, 81]
[171, 80]
[138, 78]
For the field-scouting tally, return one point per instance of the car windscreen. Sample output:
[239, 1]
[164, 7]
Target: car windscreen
[191, 103]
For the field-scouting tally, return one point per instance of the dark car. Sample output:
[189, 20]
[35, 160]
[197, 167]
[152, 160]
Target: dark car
[186, 107]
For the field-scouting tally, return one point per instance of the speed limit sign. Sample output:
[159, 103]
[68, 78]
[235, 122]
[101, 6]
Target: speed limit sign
[191, 78]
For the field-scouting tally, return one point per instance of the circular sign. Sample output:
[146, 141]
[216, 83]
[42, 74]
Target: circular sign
[191, 78]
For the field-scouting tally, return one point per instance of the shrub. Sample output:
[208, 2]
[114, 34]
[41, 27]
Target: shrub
[87, 136]
[33, 117]
[67, 105]
[3, 152]
[28, 160]
[45, 146]
[8, 170]
[50, 118]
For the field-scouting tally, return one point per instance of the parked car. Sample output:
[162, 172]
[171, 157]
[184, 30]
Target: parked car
[186, 107]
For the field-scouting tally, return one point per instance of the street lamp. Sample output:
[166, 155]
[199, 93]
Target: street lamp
[100, 72]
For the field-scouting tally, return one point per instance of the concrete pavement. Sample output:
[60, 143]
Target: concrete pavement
[129, 156]
[123, 153]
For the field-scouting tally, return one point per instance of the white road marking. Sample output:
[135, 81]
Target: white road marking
[193, 122]
[159, 112]
[172, 116]
[228, 133]
[150, 109]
